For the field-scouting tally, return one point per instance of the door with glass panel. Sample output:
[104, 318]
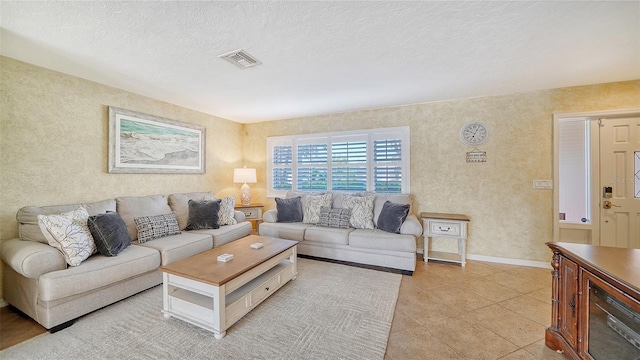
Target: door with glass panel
[620, 182]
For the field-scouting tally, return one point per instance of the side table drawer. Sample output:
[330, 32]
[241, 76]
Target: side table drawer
[250, 213]
[444, 228]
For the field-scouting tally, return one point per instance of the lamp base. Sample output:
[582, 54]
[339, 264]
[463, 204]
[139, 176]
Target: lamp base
[245, 197]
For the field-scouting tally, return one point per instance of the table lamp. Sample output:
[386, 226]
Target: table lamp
[244, 176]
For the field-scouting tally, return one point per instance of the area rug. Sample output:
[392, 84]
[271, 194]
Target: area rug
[330, 311]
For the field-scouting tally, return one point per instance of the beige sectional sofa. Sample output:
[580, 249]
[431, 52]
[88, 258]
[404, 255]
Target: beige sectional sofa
[363, 246]
[38, 281]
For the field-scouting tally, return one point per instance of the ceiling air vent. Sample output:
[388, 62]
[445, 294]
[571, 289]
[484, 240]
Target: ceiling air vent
[240, 58]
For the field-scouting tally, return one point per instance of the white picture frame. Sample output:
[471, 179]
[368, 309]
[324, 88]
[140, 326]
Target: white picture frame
[141, 143]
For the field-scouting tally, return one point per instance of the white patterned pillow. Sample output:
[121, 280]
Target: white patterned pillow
[69, 234]
[157, 226]
[361, 210]
[312, 206]
[226, 215]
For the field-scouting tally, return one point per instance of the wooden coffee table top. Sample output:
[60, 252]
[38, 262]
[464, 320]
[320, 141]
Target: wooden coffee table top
[205, 267]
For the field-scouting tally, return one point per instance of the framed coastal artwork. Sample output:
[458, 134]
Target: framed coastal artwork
[141, 143]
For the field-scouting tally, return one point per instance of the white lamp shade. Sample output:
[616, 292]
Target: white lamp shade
[244, 175]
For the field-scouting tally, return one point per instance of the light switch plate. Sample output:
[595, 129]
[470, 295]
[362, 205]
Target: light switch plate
[543, 184]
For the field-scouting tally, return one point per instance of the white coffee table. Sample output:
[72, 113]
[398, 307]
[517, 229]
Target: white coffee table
[214, 295]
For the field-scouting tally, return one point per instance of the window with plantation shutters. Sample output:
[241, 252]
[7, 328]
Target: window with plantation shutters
[312, 167]
[349, 165]
[387, 166]
[375, 160]
[282, 167]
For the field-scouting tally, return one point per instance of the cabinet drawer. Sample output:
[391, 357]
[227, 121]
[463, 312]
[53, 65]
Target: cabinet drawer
[265, 290]
[445, 228]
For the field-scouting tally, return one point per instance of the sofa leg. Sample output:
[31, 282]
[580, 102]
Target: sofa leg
[61, 326]
[407, 272]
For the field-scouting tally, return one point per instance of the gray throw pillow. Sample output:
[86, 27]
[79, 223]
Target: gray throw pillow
[335, 218]
[156, 226]
[203, 214]
[289, 210]
[109, 233]
[392, 216]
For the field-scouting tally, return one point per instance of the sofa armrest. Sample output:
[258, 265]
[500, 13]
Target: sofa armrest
[270, 216]
[239, 215]
[30, 258]
[411, 226]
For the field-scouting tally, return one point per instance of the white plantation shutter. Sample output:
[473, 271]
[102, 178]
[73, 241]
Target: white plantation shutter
[282, 161]
[348, 164]
[312, 167]
[352, 161]
[387, 166]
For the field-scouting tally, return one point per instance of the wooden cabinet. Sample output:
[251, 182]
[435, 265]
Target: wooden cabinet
[595, 302]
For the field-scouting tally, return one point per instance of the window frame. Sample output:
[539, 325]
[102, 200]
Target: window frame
[369, 135]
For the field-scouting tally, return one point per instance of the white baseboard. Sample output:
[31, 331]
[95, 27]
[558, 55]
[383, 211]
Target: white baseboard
[3, 303]
[501, 260]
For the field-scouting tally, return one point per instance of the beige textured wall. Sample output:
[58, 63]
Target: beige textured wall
[509, 218]
[54, 143]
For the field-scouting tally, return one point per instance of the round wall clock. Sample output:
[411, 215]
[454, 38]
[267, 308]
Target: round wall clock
[474, 134]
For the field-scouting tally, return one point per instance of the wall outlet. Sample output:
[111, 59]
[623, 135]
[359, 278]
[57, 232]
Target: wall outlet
[543, 184]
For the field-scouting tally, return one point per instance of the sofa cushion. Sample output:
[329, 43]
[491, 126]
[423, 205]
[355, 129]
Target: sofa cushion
[336, 218]
[69, 233]
[382, 240]
[361, 210]
[156, 226]
[289, 210]
[98, 271]
[227, 233]
[180, 204]
[303, 195]
[328, 235]
[392, 216]
[109, 233]
[177, 247]
[29, 229]
[289, 231]
[226, 215]
[130, 207]
[203, 214]
[313, 205]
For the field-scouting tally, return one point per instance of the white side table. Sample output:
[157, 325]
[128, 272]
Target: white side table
[451, 226]
[251, 212]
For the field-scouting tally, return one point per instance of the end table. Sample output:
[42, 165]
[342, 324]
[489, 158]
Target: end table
[251, 212]
[451, 226]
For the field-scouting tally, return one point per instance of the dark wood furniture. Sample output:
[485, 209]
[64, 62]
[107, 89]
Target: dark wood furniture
[596, 302]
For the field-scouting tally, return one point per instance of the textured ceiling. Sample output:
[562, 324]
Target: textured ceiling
[326, 57]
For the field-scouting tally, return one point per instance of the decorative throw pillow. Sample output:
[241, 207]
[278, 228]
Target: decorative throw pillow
[156, 226]
[392, 216]
[361, 210]
[203, 214]
[312, 207]
[336, 218]
[68, 232]
[289, 210]
[109, 233]
[226, 215]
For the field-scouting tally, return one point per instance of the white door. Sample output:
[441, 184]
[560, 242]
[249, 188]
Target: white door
[620, 171]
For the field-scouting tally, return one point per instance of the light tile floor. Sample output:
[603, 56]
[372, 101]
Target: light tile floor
[482, 311]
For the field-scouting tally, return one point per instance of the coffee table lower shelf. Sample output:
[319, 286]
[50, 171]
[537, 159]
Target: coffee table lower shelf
[216, 308]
